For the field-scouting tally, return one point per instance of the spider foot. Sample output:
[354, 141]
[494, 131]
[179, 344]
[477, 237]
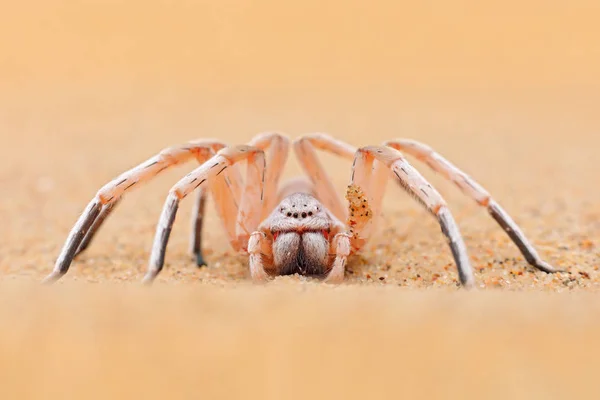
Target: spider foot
[52, 277]
[335, 277]
[544, 266]
[200, 262]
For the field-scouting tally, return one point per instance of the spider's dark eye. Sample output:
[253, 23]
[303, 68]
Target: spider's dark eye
[289, 214]
[310, 213]
[303, 215]
[295, 215]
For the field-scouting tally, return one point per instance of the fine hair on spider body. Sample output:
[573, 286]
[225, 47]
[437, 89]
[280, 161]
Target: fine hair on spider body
[300, 228]
[304, 227]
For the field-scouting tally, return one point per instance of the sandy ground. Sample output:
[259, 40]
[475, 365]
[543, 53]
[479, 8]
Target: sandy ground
[399, 324]
[81, 103]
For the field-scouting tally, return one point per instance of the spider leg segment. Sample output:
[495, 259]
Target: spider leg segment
[412, 181]
[276, 147]
[200, 149]
[197, 222]
[341, 243]
[472, 189]
[169, 157]
[114, 190]
[226, 191]
[83, 224]
[104, 213]
[305, 149]
[246, 222]
[261, 253]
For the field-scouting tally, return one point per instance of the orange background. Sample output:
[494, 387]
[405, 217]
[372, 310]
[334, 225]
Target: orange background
[508, 90]
[313, 45]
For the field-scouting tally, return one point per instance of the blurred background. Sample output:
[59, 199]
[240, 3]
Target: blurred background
[508, 90]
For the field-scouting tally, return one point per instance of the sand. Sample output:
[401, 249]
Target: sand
[83, 100]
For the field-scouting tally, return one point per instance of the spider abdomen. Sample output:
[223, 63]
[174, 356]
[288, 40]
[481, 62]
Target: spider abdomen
[303, 253]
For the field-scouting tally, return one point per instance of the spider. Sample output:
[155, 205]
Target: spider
[298, 228]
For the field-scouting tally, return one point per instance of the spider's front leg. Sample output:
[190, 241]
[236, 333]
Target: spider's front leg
[359, 225]
[276, 147]
[245, 220]
[371, 179]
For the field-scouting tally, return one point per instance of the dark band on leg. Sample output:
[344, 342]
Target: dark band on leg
[457, 245]
[77, 234]
[518, 237]
[197, 222]
[159, 247]
[104, 213]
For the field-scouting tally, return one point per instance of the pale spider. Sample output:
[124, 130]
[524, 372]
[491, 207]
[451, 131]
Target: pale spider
[299, 228]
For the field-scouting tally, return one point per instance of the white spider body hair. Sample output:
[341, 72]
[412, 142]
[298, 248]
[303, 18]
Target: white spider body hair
[301, 229]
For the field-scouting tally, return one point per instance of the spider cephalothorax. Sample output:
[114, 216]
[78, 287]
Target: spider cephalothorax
[304, 233]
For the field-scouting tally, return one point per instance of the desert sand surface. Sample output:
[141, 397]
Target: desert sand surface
[508, 91]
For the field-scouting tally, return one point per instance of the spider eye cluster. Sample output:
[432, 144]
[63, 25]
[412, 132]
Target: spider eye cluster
[297, 214]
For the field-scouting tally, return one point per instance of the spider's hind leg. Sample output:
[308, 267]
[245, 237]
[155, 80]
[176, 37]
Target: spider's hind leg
[103, 202]
[475, 191]
[76, 236]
